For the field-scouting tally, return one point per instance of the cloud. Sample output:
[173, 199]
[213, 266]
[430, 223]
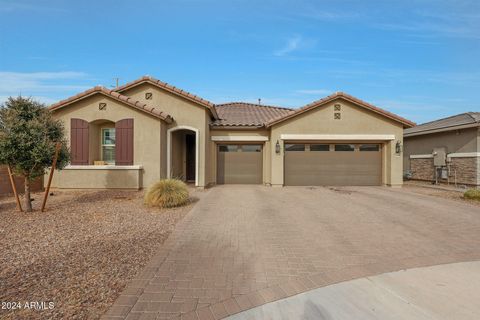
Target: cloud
[46, 86]
[314, 91]
[331, 15]
[292, 45]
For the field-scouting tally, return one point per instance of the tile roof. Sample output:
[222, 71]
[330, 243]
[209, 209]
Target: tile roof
[117, 96]
[187, 95]
[445, 124]
[345, 96]
[241, 114]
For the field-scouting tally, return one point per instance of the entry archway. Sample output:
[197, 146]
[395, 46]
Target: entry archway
[181, 153]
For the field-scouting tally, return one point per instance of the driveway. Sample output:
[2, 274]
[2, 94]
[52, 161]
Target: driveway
[244, 246]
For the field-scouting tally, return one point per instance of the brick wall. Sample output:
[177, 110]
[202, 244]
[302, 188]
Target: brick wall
[6, 188]
[466, 170]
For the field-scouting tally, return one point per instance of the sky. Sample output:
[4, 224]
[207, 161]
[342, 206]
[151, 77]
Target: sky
[419, 59]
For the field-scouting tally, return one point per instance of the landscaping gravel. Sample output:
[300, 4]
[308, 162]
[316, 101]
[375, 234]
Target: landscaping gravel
[72, 261]
[442, 192]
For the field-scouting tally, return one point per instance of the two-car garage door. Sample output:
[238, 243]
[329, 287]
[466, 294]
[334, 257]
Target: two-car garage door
[305, 164]
[332, 164]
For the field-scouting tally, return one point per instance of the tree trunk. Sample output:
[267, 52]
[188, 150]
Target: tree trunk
[28, 201]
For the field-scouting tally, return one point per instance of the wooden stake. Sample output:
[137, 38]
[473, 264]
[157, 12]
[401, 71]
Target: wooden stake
[14, 188]
[50, 176]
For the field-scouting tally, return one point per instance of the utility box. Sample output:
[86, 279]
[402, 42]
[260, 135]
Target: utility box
[440, 157]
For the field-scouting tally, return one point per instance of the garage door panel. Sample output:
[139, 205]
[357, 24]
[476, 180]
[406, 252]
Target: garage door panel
[333, 168]
[239, 167]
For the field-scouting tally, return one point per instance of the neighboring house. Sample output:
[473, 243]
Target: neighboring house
[445, 150]
[147, 130]
[6, 187]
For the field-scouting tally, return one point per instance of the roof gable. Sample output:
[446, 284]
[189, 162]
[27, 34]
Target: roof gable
[322, 102]
[172, 89]
[116, 96]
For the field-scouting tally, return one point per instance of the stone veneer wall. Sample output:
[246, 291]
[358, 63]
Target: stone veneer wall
[466, 170]
[422, 169]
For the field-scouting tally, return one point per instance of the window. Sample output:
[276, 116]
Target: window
[344, 147]
[108, 145]
[369, 147]
[319, 147]
[228, 148]
[294, 147]
[251, 148]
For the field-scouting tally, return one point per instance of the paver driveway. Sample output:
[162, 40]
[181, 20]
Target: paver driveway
[242, 246]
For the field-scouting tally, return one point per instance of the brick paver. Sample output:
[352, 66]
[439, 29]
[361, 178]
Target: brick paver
[243, 246]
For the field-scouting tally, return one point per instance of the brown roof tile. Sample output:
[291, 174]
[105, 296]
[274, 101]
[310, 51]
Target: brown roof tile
[241, 114]
[323, 101]
[117, 96]
[210, 106]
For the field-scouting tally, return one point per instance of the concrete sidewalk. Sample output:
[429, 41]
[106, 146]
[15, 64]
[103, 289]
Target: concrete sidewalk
[450, 291]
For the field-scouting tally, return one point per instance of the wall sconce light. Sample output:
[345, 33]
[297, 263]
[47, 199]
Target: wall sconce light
[277, 147]
[398, 147]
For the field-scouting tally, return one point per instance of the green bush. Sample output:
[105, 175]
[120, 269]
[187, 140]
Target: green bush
[472, 194]
[167, 193]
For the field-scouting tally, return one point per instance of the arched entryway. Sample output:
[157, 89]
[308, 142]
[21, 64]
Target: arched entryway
[183, 153]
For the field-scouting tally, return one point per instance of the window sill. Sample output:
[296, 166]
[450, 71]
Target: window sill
[107, 167]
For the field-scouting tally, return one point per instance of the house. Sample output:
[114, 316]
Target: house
[445, 150]
[147, 130]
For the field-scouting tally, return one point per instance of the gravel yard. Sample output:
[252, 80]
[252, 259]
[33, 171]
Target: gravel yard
[80, 253]
[427, 189]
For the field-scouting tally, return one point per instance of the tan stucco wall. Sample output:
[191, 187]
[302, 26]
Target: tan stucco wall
[184, 113]
[354, 120]
[231, 132]
[146, 132]
[98, 179]
[457, 141]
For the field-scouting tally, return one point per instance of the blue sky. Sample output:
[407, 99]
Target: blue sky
[419, 59]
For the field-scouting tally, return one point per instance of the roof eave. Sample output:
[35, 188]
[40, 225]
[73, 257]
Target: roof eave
[172, 89]
[445, 129]
[105, 92]
[406, 123]
[238, 127]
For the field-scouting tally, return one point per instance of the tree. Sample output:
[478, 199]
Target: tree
[28, 135]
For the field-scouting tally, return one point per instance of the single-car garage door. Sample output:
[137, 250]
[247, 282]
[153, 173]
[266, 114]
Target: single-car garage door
[338, 164]
[239, 164]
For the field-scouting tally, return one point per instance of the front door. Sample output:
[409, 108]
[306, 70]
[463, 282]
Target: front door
[190, 156]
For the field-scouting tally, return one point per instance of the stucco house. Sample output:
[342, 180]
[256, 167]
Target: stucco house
[444, 150]
[147, 130]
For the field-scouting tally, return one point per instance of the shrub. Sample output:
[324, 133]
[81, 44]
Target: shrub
[472, 194]
[167, 193]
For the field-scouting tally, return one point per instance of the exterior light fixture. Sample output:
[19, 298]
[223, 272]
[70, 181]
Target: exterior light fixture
[398, 147]
[277, 147]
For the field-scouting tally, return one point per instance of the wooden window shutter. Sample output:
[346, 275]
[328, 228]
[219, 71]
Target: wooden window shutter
[124, 142]
[79, 141]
